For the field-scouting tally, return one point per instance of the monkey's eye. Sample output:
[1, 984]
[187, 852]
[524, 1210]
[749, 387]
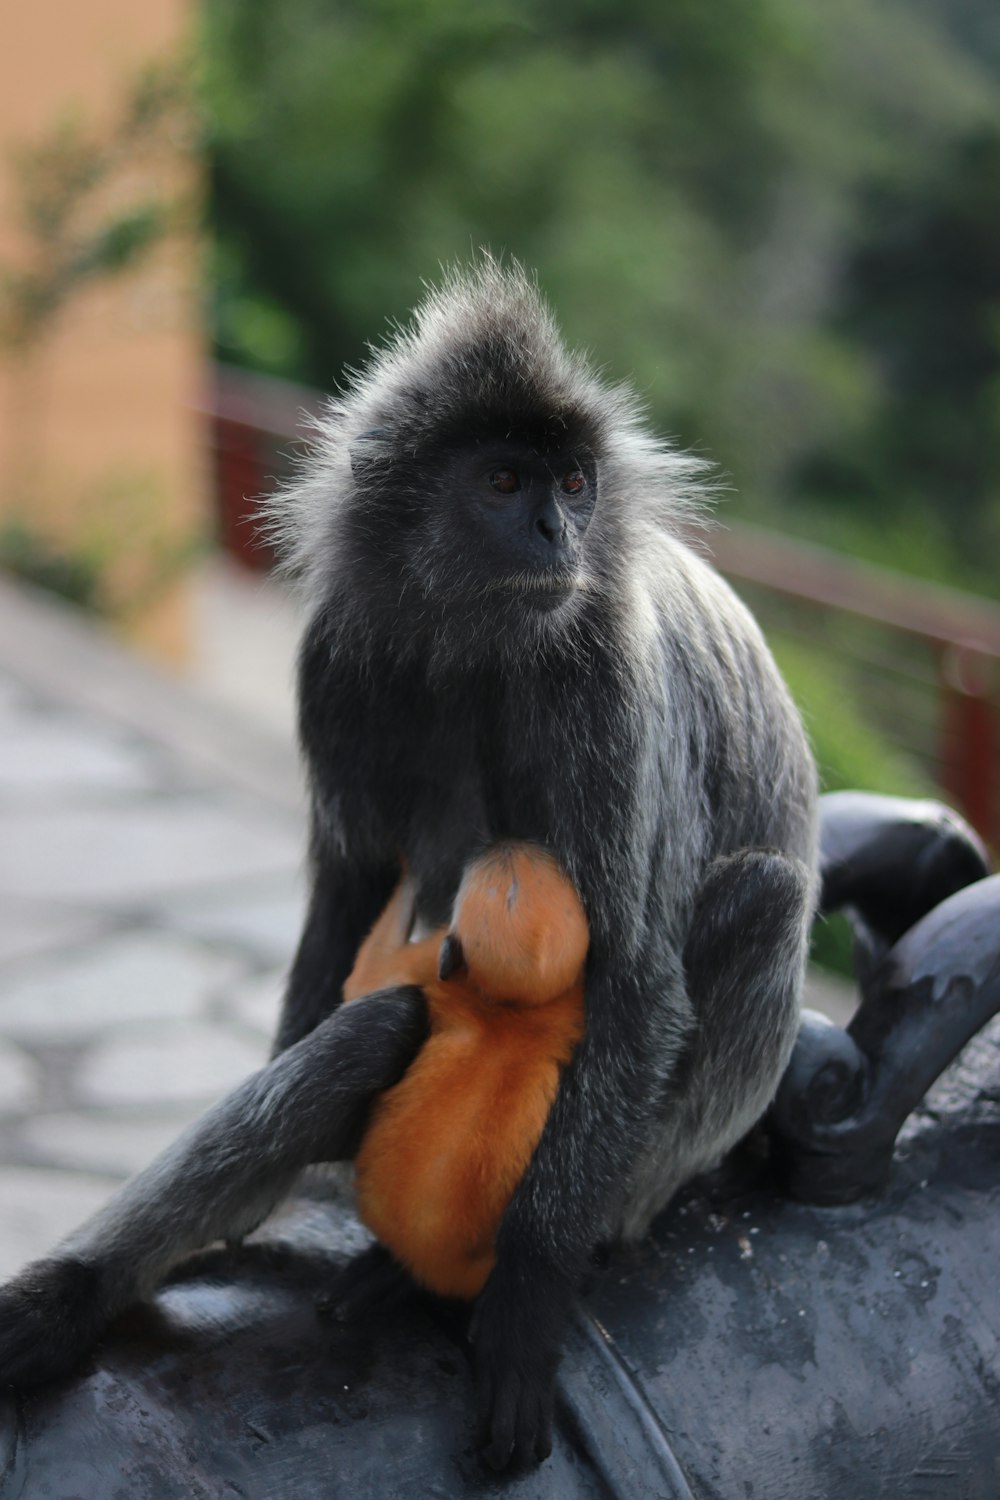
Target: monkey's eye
[506, 481]
[574, 482]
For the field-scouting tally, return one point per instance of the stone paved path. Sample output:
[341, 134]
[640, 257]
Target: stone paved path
[150, 899]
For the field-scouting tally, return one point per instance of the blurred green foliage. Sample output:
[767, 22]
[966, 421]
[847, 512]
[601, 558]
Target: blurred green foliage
[849, 751]
[122, 555]
[29, 554]
[781, 219]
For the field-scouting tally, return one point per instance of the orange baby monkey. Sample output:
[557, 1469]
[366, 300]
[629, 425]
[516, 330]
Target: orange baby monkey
[446, 1147]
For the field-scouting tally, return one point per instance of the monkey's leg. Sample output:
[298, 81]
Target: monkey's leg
[570, 1198]
[664, 1078]
[219, 1180]
[745, 962]
[378, 966]
[343, 905]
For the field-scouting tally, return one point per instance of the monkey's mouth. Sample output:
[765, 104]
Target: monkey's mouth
[547, 585]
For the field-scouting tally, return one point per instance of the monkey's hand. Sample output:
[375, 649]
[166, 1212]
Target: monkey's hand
[51, 1315]
[517, 1332]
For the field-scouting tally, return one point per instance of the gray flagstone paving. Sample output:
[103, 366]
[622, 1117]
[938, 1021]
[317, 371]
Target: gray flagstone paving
[150, 894]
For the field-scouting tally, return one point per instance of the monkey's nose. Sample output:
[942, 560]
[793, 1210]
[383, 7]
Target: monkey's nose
[550, 523]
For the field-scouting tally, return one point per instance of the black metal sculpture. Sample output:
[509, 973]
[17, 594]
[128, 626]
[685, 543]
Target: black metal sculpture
[912, 878]
[753, 1346]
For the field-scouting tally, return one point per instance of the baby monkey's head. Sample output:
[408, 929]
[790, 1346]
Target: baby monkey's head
[518, 931]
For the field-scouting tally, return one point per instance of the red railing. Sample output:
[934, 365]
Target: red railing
[256, 424]
[925, 659]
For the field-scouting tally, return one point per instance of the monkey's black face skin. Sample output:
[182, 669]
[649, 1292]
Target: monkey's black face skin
[517, 518]
[458, 543]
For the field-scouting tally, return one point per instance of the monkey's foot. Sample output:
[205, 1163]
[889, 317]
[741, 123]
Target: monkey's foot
[51, 1315]
[372, 1281]
[517, 1344]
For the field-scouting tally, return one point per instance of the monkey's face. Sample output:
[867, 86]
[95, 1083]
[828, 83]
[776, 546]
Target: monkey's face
[511, 521]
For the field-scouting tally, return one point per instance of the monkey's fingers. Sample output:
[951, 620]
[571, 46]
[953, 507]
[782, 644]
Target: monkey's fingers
[51, 1315]
[516, 1418]
[516, 1360]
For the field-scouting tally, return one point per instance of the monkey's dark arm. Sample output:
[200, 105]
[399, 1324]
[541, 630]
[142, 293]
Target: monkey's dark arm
[347, 889]
[343, 905]
[219, 1180]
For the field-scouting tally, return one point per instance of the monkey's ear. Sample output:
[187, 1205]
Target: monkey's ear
[365, 453]
[452, 959]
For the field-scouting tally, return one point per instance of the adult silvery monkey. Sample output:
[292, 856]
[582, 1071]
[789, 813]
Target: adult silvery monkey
[507, 640]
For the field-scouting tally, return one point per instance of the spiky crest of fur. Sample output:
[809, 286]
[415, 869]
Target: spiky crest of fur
[481, 358]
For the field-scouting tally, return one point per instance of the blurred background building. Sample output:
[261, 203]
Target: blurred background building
[782, 221]
[102, 346]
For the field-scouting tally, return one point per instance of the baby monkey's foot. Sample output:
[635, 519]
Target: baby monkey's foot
[372, 1281]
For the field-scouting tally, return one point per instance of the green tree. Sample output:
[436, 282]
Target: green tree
[694, 184]
[923, 299]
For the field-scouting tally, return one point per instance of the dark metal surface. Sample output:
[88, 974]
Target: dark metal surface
[753, 1347]
[804, 1353]
[229, 1384]
[927, 924]
[891, 860]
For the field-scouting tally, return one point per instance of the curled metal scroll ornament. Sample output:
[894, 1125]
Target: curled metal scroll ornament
[913, 879]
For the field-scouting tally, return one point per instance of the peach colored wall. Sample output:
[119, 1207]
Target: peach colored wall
[109, 399]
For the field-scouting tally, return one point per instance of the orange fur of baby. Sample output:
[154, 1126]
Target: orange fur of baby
[445, 1149]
